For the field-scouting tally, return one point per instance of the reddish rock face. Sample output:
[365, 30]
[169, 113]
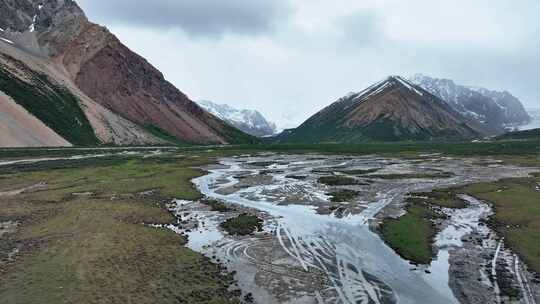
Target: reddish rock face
[410, 111]
[391, 110]
[127, 84]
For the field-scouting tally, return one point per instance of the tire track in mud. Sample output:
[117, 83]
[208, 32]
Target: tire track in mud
[339, 280]
[344, 279]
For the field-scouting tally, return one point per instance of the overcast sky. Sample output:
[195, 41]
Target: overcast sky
[290, 58]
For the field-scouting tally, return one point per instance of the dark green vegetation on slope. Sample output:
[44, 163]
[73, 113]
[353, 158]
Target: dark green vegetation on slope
[164, 135]
[81, 237]
[235, 136]
[51, 103]
[342, 195]
[331, 131]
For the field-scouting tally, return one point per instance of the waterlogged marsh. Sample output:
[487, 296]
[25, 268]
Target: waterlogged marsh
[331, 249]
[319, 242]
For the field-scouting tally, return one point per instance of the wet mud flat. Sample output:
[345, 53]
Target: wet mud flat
[316, 249]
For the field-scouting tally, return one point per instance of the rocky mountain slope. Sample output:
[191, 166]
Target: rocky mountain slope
[249, 121]
[124, 99]
[496, 110]
[391, 110]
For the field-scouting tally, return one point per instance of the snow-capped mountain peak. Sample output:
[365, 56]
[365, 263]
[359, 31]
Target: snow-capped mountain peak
[496, 109]
[249, 121]
[381, 86]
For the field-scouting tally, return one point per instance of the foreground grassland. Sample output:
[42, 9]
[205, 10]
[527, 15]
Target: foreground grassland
[81, 236]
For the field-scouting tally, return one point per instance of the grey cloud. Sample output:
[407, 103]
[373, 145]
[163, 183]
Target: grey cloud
[362, 28]
[196, 17]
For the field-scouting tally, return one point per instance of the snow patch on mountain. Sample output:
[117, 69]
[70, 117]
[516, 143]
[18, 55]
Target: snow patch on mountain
[249, 121]
[381, 86]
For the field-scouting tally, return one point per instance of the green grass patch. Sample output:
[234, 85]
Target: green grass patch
[359, 171]
[261, 163]
[411, 235]
[411, 175]
[216, 206]
[297, 177]
[342, 195]
[338, 181]
[447, 198]
[243, 224]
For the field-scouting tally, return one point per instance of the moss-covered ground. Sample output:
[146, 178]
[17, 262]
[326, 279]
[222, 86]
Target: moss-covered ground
[82, 237]
[411, 235]
[243, 224]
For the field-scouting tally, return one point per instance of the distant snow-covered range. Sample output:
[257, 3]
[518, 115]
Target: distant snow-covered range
[249, 121]
[494, 109]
